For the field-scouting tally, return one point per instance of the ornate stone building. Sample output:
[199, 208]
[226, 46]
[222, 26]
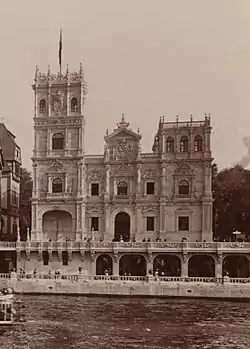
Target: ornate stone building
[123, 193]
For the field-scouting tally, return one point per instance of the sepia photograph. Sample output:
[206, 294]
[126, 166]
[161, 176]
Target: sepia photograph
[125, 174]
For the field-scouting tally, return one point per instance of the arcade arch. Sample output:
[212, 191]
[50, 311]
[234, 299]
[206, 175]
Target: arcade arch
[57, 225]
[132, 265]
[201, 266]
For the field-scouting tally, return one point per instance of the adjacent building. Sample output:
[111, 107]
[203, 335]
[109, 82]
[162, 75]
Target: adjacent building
[10, 184]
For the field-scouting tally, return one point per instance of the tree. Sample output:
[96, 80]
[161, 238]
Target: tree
[231, 206]
[25, 202]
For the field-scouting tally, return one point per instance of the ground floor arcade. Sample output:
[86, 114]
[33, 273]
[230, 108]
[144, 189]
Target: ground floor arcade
[134, 264]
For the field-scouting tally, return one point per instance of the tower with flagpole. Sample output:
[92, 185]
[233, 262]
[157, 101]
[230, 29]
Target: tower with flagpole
[58, 156]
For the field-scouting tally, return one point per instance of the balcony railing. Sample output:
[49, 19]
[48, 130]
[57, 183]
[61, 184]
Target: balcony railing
[189, 247]
[114, 278]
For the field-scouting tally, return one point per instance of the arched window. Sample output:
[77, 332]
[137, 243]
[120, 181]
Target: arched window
[170, 145]
[184, 144]
[198, 143]
[74, 105]
[42, 106]
[57, 141]
[57, 185]
[183, 188]
[122, 188]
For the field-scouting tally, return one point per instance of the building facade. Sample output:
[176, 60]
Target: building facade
[123, 193]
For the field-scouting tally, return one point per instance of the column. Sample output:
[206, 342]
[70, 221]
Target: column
[150, 263]
[48, 100]
[49, 184]
[35, 143]
[78, 220]
[66, 182]
[48, 142]
[35, 186]
[162, 218]
[79, 179]
[163, 180]
[115, 266]
[83, 216]
[184, 266]
[108, 180]
[138, 179]
[219, 266]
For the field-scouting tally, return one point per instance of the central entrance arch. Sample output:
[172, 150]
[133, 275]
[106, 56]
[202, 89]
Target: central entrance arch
[122, 226]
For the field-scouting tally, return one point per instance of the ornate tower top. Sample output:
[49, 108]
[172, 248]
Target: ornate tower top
[60, 78]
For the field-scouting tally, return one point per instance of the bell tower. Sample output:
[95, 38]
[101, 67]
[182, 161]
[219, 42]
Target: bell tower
[58, 208]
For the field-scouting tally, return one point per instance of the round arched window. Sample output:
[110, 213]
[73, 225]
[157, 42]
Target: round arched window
[183, 188]
[122, 189]
[57, 185]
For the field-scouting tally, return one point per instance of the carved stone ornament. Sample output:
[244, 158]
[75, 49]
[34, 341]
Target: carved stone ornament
[92, 254]
[185, 257]
[57, 165]
[150, 257]
[220, 257]
[94, 209]
[149, 173]
[183, 170]
[57, 102]
[149, 208]
[123, 168]
[94, 175]
[122, 150]
[116, 256]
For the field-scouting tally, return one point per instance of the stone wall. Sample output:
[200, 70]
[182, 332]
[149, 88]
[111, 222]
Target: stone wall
[129, 288]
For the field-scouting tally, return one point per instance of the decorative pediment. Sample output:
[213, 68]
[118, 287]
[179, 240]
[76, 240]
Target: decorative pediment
[122, 131]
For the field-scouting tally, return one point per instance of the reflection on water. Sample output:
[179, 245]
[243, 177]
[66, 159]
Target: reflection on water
[80, 322]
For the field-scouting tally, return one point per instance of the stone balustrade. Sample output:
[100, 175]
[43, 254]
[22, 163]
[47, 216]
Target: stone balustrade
[106, 246]
[162, 279]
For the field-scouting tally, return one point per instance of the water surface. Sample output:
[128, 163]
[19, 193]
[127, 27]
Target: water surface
[62, 322]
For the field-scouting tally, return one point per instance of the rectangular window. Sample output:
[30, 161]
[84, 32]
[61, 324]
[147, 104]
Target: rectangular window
[65, 258]
[94, 189]
[150, 188]
[95, 223]
[150, 224]
[183, 223]
[45, 258]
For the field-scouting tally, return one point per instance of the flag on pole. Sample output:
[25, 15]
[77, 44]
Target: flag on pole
[60, 48]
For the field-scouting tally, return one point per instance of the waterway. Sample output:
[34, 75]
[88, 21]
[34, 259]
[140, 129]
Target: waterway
[59, 322]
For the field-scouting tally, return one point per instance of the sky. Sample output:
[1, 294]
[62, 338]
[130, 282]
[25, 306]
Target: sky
[143, 58]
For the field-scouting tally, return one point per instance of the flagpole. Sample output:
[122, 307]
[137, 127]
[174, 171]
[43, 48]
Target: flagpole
[60, 52]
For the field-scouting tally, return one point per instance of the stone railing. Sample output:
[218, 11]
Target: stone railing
[77, 246]
[151, 278]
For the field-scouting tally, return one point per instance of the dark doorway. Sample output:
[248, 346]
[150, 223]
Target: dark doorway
[104, 264]
[7, 261]
[133, 265]
[122, 227]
